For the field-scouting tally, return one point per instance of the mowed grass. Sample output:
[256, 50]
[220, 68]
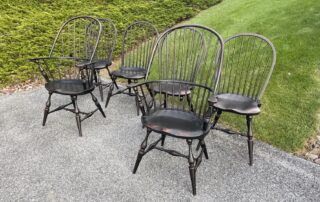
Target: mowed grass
[292, 99]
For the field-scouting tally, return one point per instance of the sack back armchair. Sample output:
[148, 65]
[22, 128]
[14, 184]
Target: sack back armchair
[68, 69]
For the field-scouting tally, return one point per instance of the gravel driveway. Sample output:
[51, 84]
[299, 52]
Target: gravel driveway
[53, 163]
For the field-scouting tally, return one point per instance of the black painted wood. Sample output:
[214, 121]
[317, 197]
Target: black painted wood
[69, 68]
[248, 63]
[174, 117]
[137, 43]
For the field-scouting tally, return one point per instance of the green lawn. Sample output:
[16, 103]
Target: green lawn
[292, 98]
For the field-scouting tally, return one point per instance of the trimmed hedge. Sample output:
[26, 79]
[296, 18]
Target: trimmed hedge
[27, 28]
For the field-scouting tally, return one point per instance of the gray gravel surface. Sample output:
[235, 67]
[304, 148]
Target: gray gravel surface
[53, 163]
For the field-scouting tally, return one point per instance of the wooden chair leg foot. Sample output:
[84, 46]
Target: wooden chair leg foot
[46, 110]
[250, 139]
[141, 152]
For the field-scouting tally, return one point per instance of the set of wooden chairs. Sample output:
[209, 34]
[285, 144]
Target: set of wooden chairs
[182, 79]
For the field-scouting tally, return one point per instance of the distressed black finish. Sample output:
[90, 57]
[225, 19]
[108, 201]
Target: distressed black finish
[189, 53]
[68, 70]
[138, 41]
[248, 63]
[103, 56]
[176, 117]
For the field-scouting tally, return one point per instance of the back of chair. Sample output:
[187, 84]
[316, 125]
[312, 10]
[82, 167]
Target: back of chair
[190, 53]
[74, 46]
[248, 63]
[77, 38]
[179, 54]
[107, 40]
[138, 41]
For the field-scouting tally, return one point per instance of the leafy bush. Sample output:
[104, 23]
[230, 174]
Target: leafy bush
[27, 28]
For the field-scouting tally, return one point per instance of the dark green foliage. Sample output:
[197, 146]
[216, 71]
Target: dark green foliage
[27, 28]
[201, 4]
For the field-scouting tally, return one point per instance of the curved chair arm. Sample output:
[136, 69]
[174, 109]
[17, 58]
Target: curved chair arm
[40, 65]
[43, 65]
[142, 90]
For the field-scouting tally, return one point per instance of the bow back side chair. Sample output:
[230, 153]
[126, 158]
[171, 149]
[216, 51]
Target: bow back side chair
[249, 60]
[137, 43]
[103, 56]
[67, 69]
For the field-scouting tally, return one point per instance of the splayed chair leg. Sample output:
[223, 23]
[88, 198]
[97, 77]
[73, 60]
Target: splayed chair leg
[46, 110]
[109, 95]
[99, 84]
[204, 148]
[113, 78]
[250, 139]
[192, 167]
[216, 119]
[95, 76]
[77, 112]
[141, 151]
[129, 82]
[95, 100]
[163, 138]
[137, 106]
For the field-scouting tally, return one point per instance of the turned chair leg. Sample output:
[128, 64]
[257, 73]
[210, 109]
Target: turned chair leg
[77, 112]
[204, 148]
[192, 167]
[113, 78]
[109, 95]
[129, 82]
[141, 151]
[137, 105]
[250, 139]
[163, 137]
[99, 84]
[135, 95]
[46, 110]
[95, 76]
[95, 100]
[216, 119]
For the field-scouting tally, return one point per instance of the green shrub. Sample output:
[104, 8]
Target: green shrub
[27, 28]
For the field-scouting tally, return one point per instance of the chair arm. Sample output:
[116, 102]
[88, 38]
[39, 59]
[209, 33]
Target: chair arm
[40, 66]
[141, 96]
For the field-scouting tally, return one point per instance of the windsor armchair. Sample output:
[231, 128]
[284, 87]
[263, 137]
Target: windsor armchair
[189, 53]
[68, 69]
[178, 106]
[176, 119]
